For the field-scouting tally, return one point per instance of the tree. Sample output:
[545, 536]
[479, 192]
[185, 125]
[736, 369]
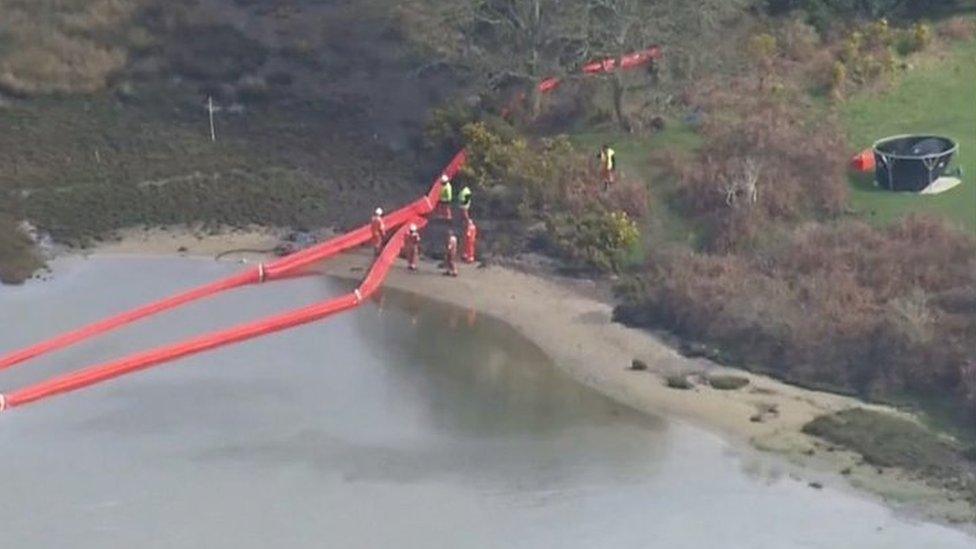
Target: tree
[506, 43]
[615, 28]
[528, 40]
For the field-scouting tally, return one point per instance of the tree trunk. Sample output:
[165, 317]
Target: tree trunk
[618, 100]
[534, 99]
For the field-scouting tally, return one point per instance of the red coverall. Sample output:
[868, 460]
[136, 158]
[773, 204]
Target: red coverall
[379, 230]
[413, 250]
[470, 237]
[451, 256]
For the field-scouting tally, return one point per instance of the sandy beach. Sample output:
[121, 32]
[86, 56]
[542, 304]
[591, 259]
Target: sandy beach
[574, 328]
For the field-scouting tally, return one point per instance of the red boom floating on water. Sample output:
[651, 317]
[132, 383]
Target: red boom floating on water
[277, 270]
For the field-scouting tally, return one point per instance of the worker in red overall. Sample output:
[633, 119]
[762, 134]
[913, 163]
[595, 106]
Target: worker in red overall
[470, 237]
[413, 247]
[378, 229]
[450, 256]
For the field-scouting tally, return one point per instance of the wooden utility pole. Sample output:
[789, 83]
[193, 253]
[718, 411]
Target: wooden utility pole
[210, 109]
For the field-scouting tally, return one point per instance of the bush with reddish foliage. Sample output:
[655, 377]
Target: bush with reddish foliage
[848, 307]
[959, 29]
[764, 164]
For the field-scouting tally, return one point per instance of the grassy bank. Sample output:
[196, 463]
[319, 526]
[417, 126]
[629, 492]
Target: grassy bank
[884, 440]
[935, 97]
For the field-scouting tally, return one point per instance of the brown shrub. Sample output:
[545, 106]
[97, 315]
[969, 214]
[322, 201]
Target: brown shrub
[846, 306]
[18, 259]
[958, 29]
[59, 64]
[798, 40]
[766, 163]
[61, 46]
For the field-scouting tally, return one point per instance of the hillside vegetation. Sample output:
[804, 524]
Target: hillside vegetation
[103, 108]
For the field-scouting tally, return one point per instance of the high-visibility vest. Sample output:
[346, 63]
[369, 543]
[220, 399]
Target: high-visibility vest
[464, 197]
[447, 193]
[608, 157]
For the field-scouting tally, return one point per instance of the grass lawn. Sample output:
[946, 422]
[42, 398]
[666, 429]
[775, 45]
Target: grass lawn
[639, 157]
[937, 97]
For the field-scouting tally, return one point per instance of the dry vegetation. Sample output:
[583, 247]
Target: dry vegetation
[17, 258]
[764, 162]
[58, 46]
[843, 306]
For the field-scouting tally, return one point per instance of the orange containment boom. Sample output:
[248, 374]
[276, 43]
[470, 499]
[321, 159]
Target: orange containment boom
[629, 61]
[277, 270]
[134, 363]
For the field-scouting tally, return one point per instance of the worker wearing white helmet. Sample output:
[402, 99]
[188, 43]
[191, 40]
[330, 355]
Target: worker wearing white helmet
[378, 230]
[446, 196]
[413, 247]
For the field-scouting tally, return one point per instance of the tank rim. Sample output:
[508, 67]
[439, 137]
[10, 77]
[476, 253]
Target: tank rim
[952, 150]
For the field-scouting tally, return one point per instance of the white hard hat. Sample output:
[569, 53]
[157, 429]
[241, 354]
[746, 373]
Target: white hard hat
[379, 211]
[413, 227]
[445, 178]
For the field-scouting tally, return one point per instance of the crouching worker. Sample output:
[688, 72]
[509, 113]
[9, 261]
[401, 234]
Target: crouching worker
[378, 229]
[470, 237]
[450, 254]
[413, 247]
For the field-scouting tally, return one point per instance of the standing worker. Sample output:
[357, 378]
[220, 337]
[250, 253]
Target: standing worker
[413, 247]
[447, 195]
[378, 229]
[608, 165]
[464, 200]
[470, 237]
[450, 255]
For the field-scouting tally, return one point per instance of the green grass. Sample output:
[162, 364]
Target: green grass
[936, 97]
[639, 157]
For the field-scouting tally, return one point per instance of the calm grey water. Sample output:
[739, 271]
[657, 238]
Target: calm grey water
[403, 424]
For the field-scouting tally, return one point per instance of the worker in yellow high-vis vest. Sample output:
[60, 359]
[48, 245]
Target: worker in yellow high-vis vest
[608, 165]
[447, 195]
[464, 202]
